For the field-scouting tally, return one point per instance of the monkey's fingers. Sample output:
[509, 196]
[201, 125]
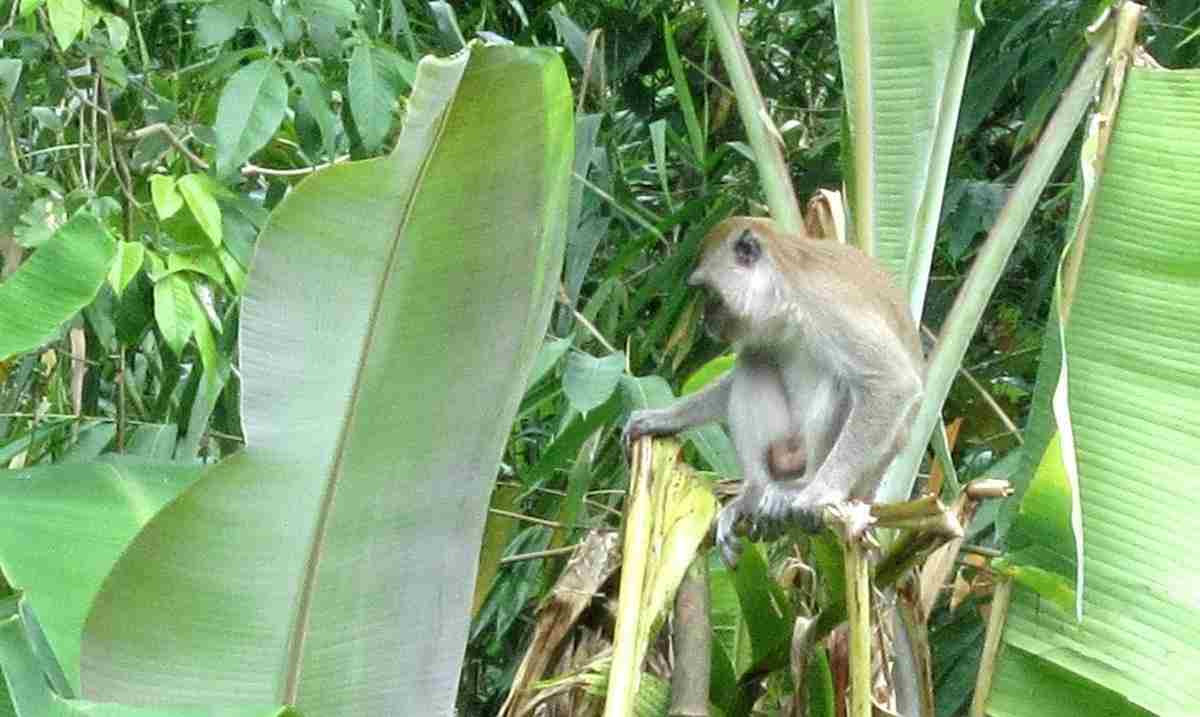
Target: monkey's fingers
[727, 539]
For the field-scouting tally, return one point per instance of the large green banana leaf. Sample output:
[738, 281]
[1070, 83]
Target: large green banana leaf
[903, 67]
[1133, 366]
[35, 697]
[64, 527]
[392, 315]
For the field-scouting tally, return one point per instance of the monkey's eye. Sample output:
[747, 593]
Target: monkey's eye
[746, 249]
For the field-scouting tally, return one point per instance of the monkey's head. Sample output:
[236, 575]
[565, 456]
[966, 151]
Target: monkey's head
[740, 267]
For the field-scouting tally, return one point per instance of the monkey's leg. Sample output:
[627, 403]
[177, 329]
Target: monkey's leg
[865, 445]
[758, 414]
[705, 406]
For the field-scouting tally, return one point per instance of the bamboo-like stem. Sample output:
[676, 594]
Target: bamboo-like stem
[692, 643]
[626, 671]
[858, 611]
[764, 137]
[1001, 599]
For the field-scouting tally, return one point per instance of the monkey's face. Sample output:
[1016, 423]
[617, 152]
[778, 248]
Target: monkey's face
[743, 283]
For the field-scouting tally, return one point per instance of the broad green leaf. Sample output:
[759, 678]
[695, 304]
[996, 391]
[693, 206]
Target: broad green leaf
[371, 97]
[118, 31]
[252, 106]
[582, 236]
[10, 75]
[91, 510]
[548, 358]
[173, 311]
[166, 199]
[202, 262]
[447, 25]
[156, 268]
[114, 72]
[903, 77]
[155, 441]
[401, 25]
[218, 21]
[589, 381]
[34, 696]
[126, 265]
[708, 373]
[342, 12]
[304, 569]
[61, 277]
[266, 24]
[1133, 395]
[762, 600]
[233, 270]
[1029, 685]
[66, 20]
[1041, 536]
[394, 69]
[314, 98]
[200, 201]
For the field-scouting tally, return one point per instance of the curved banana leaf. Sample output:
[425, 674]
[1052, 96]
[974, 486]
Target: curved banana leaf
[1134, 393]
[61, 277]
[903, 67]
[392, 316]
[65, 526]
[33, 695]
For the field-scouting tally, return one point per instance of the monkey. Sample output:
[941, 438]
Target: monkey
[829, 372]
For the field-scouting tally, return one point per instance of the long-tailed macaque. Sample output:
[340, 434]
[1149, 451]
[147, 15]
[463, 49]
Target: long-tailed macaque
[828, 374]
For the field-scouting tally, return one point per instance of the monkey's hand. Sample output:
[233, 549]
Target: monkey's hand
[646, 422]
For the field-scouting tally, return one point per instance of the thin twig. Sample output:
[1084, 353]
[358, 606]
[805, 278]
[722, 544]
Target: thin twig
[163, 128]
[562, 299]
[987, 397]
[1001, 599]
[124, 178]
[637, 218]
[251, 170]
[525, 518]
[538, 554]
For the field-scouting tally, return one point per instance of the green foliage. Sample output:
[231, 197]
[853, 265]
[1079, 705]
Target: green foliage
[178, 126]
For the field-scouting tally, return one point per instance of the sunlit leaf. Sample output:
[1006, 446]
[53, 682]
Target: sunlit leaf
[173, 311]
[199, 198]
[217, 21]
[61, 277]
[166, 199]
[126, 265]
[252, 106]
[66, 20]
[371, 97]
[589, 381]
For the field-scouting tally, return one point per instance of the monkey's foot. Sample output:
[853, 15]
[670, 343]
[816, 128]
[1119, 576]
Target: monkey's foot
[783, 507]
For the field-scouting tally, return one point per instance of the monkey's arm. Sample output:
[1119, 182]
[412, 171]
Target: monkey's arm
[705, 406]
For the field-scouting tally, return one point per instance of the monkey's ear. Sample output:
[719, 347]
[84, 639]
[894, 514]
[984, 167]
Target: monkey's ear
[746, 249]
